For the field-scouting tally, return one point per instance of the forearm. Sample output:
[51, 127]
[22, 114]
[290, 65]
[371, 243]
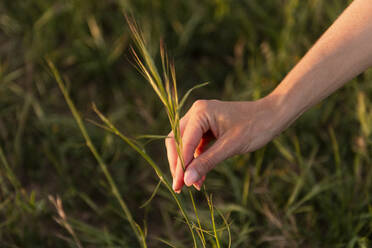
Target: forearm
[343, 52]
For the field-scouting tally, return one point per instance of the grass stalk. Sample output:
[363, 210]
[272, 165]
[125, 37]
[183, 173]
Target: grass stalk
[159, 173]
[62, 219]
[211, 208]
[166, 89]
[8, 171]
[227, 226]
[137, 230]
[202, 238]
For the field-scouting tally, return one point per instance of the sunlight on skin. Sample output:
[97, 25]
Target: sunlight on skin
[343, 52]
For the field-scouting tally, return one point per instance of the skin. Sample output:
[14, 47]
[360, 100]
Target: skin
[343, 52]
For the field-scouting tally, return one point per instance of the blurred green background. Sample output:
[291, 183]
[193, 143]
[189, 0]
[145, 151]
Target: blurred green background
[310, 187]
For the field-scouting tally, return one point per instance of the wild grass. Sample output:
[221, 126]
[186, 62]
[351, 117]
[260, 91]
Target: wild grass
[166, 89]
[311, 187]
[135, 227]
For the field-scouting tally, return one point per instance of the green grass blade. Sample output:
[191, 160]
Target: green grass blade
[151, 136]
[166, 242]
[95, 153]
[226, 224]
[211, 208]
[152, 195]
[148, 159]
[202, 238]
[9, 173]
[184, 98]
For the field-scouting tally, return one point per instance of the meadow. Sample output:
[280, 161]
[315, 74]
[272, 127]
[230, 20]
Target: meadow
[310, 187]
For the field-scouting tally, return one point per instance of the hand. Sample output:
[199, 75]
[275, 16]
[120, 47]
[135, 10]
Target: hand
[342, 52]
[236, 127]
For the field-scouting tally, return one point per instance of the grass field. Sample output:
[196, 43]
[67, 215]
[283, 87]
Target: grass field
[310, 187]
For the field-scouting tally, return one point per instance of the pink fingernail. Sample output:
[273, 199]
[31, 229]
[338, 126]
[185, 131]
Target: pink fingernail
[174, 185]
[196, 186]
[191, 177]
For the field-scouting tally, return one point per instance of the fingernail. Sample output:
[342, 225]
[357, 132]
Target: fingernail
[174, 185]
[191, 177]
[196, 186]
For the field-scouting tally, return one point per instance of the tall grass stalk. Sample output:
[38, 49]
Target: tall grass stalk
[8, 171]
[166, 89]
[135, 227]
[211, 210]
[62, 219]
[110, 127]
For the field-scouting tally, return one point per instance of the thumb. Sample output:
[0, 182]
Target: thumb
[222, 149]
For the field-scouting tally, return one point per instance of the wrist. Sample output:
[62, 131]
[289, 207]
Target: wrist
[282, 112]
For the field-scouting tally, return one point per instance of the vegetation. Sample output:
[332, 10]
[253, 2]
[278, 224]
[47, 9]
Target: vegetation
[310, 187]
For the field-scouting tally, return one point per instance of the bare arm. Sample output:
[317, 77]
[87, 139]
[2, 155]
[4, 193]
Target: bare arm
[344, 51]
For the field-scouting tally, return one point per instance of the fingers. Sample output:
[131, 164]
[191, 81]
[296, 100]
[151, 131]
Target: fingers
[178, 181]
[200, 166]
[196, 134]
[192, 135]
[170, 145]
[178, 178]
[207, 138]
[199, 183]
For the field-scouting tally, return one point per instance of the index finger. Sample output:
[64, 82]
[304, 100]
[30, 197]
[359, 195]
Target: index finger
[171, 146]
[192, 135]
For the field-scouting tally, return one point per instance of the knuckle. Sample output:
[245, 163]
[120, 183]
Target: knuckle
[200, 105]
[206, 164]
[214, 101]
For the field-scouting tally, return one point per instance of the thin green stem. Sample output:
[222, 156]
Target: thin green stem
[197, 217]
[227, 226]
[9, 173]
[168, 96]
[210, 203]
[148, 159]
[95, 153]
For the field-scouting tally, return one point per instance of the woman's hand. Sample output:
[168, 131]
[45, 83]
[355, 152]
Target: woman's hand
[236, 127]
[342, 52]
